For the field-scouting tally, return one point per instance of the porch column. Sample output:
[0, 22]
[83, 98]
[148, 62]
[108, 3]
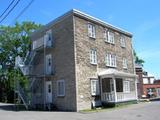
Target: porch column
[101, 92]
[114, 85]
[136, 89]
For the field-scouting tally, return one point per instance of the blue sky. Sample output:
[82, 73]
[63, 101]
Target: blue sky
[140, 17]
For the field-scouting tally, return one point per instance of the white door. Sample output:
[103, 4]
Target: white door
[48, 92]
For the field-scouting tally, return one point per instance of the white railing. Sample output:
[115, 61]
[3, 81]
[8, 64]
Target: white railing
[125, 96]
[26, 70]
[20, 64]
[38, 43]
[45, 41]
[120, 96]
[22, 95]
[108, 97]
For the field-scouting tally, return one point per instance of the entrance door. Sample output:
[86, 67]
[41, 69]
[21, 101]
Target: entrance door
[48, 64]
[48, 92]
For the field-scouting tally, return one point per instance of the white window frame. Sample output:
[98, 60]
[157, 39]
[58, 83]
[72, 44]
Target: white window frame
[93, 56]
[48, 67]
[145, 81]
[34, 44]
[59, 82]
[47, 41]
[122, 41]
[125, 63]
[95, 90]
[110, 60]
[105, 35]
[91, 30]
[126, 86]
[110, 37]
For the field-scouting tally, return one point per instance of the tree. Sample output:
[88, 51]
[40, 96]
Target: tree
[14, 41]
[137, 59]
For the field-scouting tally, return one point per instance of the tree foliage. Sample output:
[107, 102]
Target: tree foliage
[14, 41]
[137, 59]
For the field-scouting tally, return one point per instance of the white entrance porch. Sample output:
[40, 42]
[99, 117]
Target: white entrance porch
[117, 86]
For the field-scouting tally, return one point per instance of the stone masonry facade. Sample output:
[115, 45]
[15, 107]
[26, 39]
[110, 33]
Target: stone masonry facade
[84, 70]
[71, 58]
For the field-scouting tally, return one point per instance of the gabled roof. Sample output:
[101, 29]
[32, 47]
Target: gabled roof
[85, 16]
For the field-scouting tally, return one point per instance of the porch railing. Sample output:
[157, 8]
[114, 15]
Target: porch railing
[125, 96]
[110, 97]
[45, 41]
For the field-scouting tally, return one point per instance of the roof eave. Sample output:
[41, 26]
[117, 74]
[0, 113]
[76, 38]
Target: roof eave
[84, 15]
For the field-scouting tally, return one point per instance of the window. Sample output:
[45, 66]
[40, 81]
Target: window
[60, 88]
[49, 88]
[95, 87]
[48, 38]
[111, 85]
[48, 64]
[122, 42]
[145, 81]
[91, 31]
[109, 37]
[93, 56]
[126, 86]
[106, 85]
[105, 35]
[34, 45]
[124, 63]
[110, 60]
[119, 85]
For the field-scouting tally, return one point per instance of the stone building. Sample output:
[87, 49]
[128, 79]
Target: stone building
[79, 62]
[147, 85]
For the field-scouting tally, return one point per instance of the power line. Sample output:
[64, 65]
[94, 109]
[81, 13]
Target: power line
[7, 8]
[10, 11]
[29, 4]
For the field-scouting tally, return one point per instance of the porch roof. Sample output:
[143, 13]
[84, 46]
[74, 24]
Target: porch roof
[113, 72]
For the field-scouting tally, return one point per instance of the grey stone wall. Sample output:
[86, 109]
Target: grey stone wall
[63, 62]
[71, 60]
[85, 70]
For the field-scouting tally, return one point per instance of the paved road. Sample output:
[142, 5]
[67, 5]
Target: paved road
[143, 111]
